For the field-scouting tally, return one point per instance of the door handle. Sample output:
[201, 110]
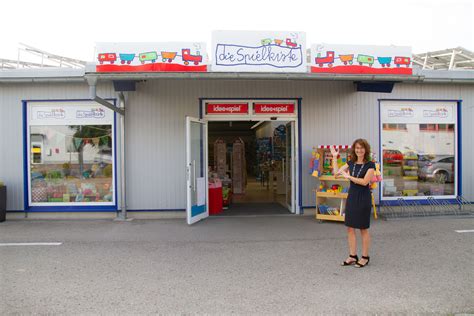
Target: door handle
[283, 170]
[194, 175]
[188, 172]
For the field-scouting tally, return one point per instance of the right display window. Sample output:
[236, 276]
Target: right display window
[419, 149]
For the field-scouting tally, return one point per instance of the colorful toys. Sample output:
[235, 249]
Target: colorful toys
[377, 175]
[331, 193]
[329, 210]
[322, 159]
[314, 163]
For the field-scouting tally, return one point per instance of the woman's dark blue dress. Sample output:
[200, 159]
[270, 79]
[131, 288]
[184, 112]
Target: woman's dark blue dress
[359, 200]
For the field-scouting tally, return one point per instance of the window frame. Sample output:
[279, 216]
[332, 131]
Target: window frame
[457, 145]
[66, 206]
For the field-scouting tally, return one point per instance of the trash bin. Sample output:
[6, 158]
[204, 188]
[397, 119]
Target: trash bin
[3, 203]
[215, 201]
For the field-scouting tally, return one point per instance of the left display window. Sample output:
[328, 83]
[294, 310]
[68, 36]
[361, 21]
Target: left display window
[71, 154]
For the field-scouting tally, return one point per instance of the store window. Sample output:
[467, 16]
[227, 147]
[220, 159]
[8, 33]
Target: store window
[71, 156]
[419, 149]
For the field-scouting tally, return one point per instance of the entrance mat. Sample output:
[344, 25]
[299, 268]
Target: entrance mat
[248, 209]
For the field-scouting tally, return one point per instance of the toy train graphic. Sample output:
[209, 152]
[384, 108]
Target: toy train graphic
[288, 42]
[151, 57]
[362, 60]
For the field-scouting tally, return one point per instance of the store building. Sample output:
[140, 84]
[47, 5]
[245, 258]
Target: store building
[66, 150]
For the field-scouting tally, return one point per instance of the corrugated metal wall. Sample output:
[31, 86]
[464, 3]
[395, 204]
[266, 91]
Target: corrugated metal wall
[332, 113]
[11, 127]
[156, 117]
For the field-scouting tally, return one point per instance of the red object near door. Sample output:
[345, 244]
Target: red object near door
[215, 201]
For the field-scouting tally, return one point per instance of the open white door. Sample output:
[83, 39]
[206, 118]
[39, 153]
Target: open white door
[290, 168]
[196, 170]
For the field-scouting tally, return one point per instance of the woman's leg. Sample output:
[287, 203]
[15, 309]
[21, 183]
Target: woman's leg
[351, 240]
[365, 243]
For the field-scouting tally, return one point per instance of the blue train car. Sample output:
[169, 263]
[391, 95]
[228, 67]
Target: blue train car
[384, 61]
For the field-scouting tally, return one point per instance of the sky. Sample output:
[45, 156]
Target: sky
[71, 28]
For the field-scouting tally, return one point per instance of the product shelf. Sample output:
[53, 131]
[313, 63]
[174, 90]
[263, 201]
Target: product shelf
[333, 178]
[337, 195]
[324, 217]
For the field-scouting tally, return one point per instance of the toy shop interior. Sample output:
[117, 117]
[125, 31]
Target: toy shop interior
[249, 167]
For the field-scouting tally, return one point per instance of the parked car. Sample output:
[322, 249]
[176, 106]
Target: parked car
[423, 159]
[440, 169]
[392, 156]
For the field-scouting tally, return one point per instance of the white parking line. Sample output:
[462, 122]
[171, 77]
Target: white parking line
[465, 231]
[8, 244]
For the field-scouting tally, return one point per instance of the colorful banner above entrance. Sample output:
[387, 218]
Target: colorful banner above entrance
[253, 51]
[358, 59]
[258, 51]
[250, 109]
[151, 57]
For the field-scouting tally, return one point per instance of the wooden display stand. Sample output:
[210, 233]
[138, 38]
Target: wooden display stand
[327, 192]
[324, 197]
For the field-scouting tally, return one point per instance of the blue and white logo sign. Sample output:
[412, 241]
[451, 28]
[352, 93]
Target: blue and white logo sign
[248, 51]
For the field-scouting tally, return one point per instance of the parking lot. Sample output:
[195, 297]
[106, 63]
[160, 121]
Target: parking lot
[241, 265]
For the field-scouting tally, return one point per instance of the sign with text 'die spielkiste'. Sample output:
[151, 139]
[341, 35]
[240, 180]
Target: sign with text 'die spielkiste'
[258, 51]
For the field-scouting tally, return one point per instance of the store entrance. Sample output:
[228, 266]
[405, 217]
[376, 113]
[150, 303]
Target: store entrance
[251, 167]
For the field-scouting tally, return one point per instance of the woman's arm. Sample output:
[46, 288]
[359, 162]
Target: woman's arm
[335, 167]
[362, 181]
[339, 171]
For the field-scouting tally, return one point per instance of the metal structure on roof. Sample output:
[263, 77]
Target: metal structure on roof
[43, 59]
[446, 59]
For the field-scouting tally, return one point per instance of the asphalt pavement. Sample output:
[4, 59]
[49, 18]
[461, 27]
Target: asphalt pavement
[234, 265]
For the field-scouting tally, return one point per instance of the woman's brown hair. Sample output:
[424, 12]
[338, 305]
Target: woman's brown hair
[362, 142]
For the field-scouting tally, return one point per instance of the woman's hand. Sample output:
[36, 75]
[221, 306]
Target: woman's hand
[334, 151]
[344, 173]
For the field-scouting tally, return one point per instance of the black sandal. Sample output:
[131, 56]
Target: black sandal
[345, 263]
[359, 265]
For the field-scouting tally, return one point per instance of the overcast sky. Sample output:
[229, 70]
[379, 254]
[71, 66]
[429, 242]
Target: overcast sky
[71, 28]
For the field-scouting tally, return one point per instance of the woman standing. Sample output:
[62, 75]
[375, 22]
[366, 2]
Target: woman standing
[359, 170]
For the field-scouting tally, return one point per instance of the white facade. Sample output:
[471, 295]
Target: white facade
[332, 112]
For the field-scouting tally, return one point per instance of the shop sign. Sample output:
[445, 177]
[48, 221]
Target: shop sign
[403, 112]
[69, 113]
[361, 59]
[258, 51]
[58, 114]
[227, 108]
[426, 112]
[151, 57]
[441, 112]
[274, 108]
[96, 113]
